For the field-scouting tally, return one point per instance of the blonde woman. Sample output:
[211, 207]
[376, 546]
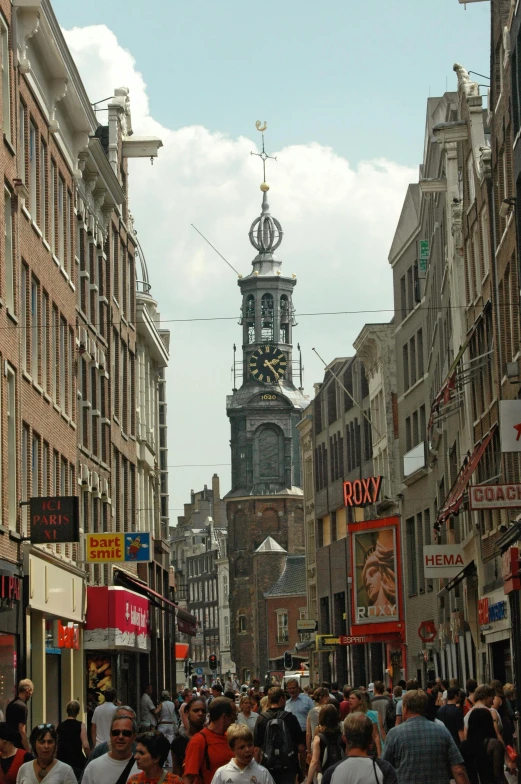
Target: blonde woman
[246, 715]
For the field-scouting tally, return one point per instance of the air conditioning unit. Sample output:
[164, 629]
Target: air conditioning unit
[94, 481]
[104, 489]
[83, 339]
[84, 474]
[101, 359]
[93, 350]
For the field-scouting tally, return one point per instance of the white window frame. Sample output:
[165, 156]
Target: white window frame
[33, 172]
[12, 448]
[282, 625]
[8, 251]
[6, 79]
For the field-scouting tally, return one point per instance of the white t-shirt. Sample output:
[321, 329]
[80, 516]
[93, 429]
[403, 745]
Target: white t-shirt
[147, 710]
[495, 715]
[357, 770]
[252, 774]
[250, 722]
[61, 773]
[102, 718]
[105, 770]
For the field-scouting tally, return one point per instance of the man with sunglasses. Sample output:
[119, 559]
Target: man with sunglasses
[118, 764]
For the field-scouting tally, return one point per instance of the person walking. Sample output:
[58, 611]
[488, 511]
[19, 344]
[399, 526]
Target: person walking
[242, 768]
[379, 702]
[102, 718]
[167, 721]
[147, 718]
[16, 711]
[359, 703]
[299, 704]
[246, 715]
[483, 753]
[278, 724]
[152, 750]
[327, 745]
[122, 711]
[344, 707]
[484, 698]
[421, 750]
[118, 764]
[196, 717]
[470, 687]
[11, 757]
[452, 716]
[359, 765]
[208, 749]
[188, 696]
[73, 743]
[321, 698]
[45, 765]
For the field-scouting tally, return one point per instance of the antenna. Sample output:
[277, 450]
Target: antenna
[263, 155]
[215, 249]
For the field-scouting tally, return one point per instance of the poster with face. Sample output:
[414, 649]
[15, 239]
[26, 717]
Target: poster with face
[375, 573]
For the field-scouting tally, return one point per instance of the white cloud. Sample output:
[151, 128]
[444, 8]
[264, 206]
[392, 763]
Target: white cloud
[338, 221]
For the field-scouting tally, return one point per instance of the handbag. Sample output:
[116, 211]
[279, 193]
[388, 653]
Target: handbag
[512, 754]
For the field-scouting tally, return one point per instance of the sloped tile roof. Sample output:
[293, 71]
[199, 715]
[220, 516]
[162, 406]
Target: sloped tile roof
[292, 581]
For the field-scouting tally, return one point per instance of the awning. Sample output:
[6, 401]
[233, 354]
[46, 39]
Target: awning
[140, 587]
[181, 650]
[468, 569]
[186, 623]
[457, 491]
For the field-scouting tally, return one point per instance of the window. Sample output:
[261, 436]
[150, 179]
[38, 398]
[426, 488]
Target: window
[226, 631]
[61, 221]
[11, 447]
[62, 365]
[485, 241]
[241, 624]
[45, 469]
[6, 79]
[24, 315]
[35, 330]
[25, 474]
[470, 175]
[32, 171]
[22, 123]
[333, 527]
[35, 466]
[43, 188]
[267, 318]
[8, 254]
[45, 339]
[54, 352]
[52, 208]
[412, 556]
[405, 352]
[282, 626]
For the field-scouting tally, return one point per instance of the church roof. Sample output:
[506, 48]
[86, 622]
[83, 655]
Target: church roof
[269, 545]
[292, 581]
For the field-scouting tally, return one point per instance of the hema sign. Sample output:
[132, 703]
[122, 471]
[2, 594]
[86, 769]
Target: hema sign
[442, 560]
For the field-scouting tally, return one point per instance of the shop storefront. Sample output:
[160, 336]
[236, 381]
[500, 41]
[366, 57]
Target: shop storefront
[117, 634]
[495, 628]
[54, 644]
[11, 631]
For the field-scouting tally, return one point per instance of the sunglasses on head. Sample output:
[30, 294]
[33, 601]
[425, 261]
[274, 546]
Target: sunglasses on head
[45, 727]
[125, 733]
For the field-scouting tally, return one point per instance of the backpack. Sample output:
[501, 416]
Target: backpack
[278, 752]
[390, 716]
[333, 751]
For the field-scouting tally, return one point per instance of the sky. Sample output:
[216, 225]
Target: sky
[343, 87]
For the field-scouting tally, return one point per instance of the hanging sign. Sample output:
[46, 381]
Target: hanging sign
[362, 492]
[54, 519]
[118, 548]
[495, 496]
[424, 257]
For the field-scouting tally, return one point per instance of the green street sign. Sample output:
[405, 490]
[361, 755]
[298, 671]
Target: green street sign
[424, 255]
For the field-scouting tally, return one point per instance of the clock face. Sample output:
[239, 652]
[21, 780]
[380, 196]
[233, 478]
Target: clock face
[267, 364]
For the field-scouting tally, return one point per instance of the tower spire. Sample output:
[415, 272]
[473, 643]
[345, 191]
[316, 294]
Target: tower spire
[265, 232]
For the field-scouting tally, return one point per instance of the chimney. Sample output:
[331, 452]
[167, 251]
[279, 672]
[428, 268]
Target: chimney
[216, 493]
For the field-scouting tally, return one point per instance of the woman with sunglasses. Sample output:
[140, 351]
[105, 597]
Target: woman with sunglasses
[151, 753]
[45, 765]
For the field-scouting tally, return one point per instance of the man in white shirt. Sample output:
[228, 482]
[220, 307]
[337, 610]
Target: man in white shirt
[102, 717]
[242, 769]
[108, 768]
[148, 715]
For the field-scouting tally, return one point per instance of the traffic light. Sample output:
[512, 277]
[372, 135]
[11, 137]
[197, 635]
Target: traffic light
[288, 660]
[188, 668]
[212, 661]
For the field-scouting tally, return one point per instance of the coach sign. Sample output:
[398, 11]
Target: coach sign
[54, 519]
[495, 496]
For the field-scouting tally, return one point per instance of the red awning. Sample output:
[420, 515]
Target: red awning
[181, 650]
[457, 491]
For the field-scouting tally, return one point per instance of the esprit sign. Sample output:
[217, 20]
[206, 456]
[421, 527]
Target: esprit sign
[444, 560]
[488, 613]
[362, 492]
[495, 496]
[67, 636]
[54, 519]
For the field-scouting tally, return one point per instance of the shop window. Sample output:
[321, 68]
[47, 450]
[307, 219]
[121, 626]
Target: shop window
[8, 674]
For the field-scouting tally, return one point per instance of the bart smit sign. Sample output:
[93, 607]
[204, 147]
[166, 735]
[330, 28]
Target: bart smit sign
[118, 548]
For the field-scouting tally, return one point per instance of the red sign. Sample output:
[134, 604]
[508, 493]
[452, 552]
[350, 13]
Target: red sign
[10, 586]
[362, 639]
[510, 570]
[362, 492]
[483, 611]
[67, 636]
[116, 618]
[495, 496]
[427, 631]
[54, 519]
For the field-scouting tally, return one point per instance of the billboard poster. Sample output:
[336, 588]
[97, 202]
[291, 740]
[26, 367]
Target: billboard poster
[376, 573]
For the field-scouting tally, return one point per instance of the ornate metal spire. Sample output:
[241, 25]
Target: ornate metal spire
[265, 232]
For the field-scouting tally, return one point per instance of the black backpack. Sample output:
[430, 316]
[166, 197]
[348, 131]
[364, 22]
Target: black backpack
[332, 750]
[278, 752]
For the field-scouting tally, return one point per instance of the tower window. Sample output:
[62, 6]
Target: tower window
[251, 333]
[267, 317]
[284, 333]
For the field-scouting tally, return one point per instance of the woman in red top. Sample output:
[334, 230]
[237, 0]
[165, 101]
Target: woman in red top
[151, 752]
[11, 758]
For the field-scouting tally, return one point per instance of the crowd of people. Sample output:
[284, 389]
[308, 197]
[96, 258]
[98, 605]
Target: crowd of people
[232, 735]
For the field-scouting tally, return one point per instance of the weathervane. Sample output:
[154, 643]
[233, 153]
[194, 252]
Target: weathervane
[263, 155]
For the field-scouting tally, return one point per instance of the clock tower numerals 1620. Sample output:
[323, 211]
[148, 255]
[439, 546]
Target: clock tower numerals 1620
[267, 364]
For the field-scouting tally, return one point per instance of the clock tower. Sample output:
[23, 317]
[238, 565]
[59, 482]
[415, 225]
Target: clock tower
[266, 497]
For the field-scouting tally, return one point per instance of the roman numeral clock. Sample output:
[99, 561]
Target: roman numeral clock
[268, 364]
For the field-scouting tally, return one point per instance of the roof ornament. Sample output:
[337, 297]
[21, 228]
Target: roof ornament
[265, 232]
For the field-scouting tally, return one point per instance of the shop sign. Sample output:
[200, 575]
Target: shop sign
[362, 492]
[457, 625]
[495, 496]
[116, 618]
[10, 589]
[510, 425]
[54, 519]
[306, 625]
[67, 636]
[489, 613]
[427, 631]
[510, 570]
[442, 560]
[118, 548]
[423, 258]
